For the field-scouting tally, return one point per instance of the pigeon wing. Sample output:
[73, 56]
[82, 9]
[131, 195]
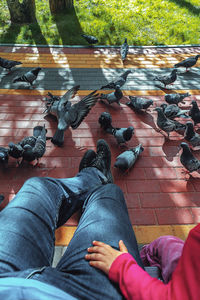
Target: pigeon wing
[80, 110]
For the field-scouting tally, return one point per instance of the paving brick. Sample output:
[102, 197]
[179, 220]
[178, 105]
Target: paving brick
[141, 186]
[132, 200]
[176, 186]
[161, 173]
[174, 216]
[142, 216]
[196, 214]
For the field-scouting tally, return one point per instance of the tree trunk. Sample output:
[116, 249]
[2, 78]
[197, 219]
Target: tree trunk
[21, 12]
[58, 6]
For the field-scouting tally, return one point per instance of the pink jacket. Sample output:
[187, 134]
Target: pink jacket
[136, 284]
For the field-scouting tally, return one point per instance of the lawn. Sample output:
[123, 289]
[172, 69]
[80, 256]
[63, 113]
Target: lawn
[143, 22]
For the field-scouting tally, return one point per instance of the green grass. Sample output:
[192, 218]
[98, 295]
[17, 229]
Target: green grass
[143, 22]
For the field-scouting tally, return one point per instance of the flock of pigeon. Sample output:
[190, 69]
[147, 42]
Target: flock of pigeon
[71, 115]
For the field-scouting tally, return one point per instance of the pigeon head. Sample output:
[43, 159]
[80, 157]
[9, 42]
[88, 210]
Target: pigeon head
[185, 146]
[189, 132]
[128, 133]
[197, 56]
[194, 103]
[36, 71]
[174, 71]
[163, 106]
[189, 124]
[11, 145]
[125, 40]
[126, 74]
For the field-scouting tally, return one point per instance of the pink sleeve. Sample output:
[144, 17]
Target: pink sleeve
[134, 282]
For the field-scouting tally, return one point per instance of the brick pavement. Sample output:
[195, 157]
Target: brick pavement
[161, 199]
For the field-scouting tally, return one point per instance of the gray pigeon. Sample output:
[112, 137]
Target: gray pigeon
[122, 135]
[138, 103]
[28, 77]
[124, 50]
[118, 81]
[68, 114]
[8, 64]
[128, 158]
[113, 97]
[167, 79]
[4, 156]
[166, 124]
[37, 149]
[188, 160]
[15, 151]
[191, 136]
[105, 120]
[194, 112]
[90, 39]
[172, 111]
[188, 62]
[176, 98]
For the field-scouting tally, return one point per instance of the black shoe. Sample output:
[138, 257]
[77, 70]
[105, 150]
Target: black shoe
[103, 159]
[87, 159]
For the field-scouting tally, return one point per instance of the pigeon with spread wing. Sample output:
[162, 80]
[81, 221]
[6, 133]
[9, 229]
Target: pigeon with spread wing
[68, 114]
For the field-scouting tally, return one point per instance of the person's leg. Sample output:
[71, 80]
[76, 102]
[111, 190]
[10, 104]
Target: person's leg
[28, 222]
[105, 219]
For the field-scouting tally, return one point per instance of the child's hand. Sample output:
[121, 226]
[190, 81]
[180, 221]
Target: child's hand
[101, 256]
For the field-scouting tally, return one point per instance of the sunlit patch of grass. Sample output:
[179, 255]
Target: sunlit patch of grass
[143, 22]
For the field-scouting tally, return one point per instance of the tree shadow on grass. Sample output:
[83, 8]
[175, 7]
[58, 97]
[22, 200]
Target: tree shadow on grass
[185, 4]
[31, 33]
[10, 34]
[68, 26]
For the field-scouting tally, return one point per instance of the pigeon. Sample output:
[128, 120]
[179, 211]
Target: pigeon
[124, 50]
[90, 39]
[188, 62]
[122, 135]
[35, 150]
[194, 112]
[105, 120]
[113, 97]
[16, 151]
[118, 81]
[188, 160]
[191, 136]
[4, 156]
[138, 103]
[68, 114]
[176, 98]
[166, 124]
[167, 79]
[28, 77]
[172, 111]
[8, 64]
[128, 158]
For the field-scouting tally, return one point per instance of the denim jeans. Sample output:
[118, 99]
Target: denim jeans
[27, 232]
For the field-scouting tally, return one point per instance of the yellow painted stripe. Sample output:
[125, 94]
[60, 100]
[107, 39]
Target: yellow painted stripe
[96, 60]
[42, 92]
[144, 234]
